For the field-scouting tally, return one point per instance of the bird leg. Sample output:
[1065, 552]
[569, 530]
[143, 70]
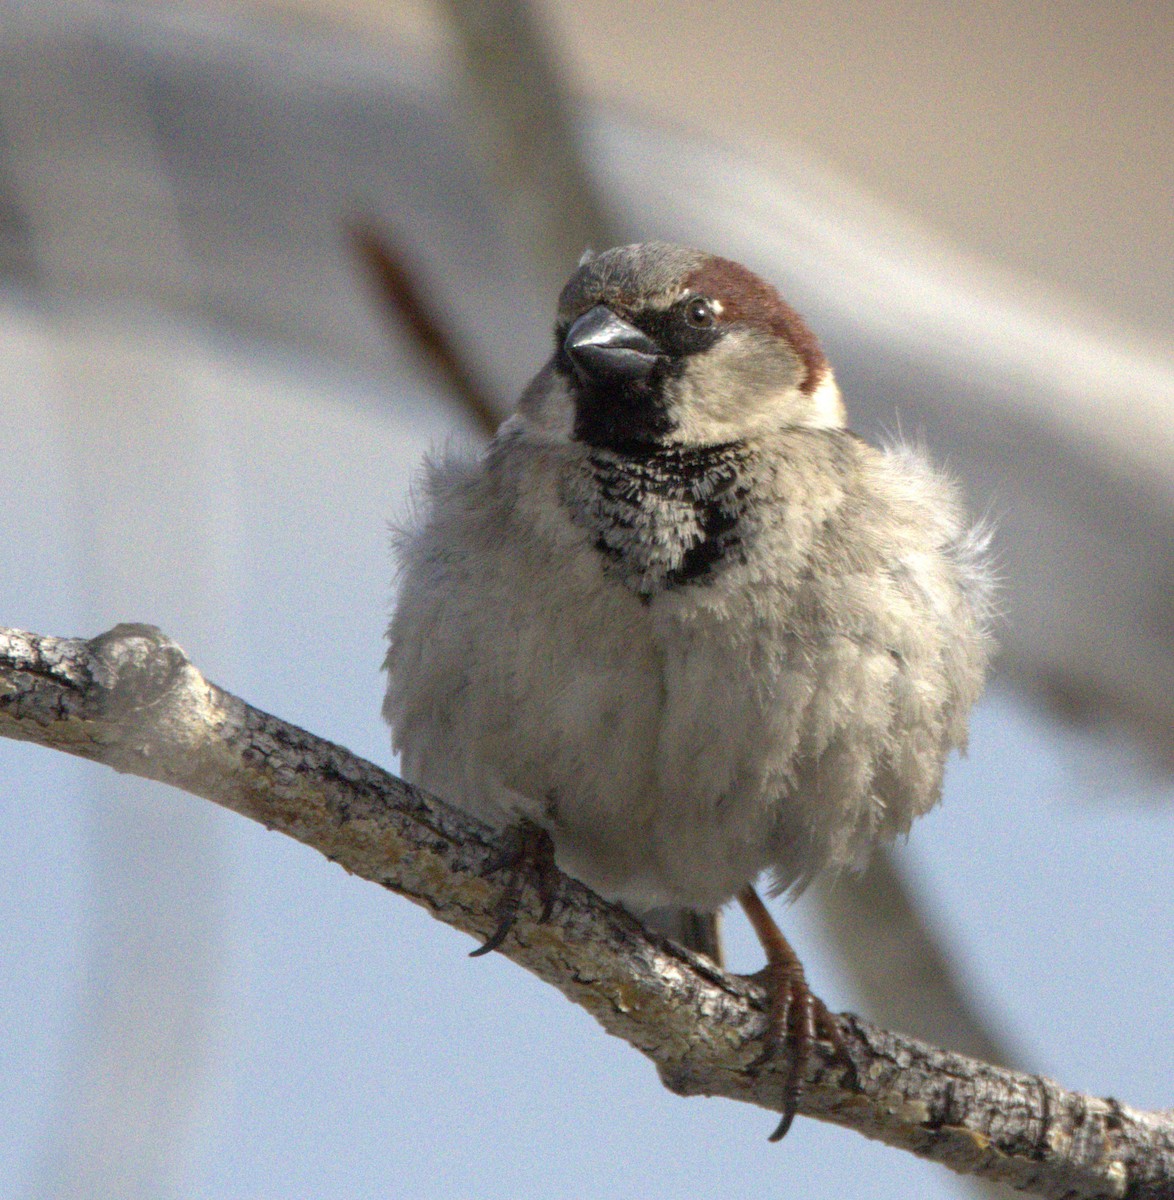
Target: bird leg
[796, 1018]
[528, 855]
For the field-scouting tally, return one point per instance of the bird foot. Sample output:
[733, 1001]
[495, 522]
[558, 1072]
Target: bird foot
[795, 1019]
[528, 855]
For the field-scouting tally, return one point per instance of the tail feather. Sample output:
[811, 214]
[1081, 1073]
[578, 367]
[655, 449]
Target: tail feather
[699, 931]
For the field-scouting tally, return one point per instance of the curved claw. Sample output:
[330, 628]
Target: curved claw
[818, 1024]
[497, 937]
[799, 1033]
[527, 854]
[785, 1124]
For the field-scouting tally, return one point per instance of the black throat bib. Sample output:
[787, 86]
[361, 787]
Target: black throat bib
[664, 517]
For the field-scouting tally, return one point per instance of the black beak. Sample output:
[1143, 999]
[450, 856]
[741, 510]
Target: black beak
[604, 349]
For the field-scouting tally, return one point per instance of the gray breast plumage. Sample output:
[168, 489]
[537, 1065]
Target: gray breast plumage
[664, 518]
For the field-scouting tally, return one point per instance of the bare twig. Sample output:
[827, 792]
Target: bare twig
[402, 294]
[131, 699]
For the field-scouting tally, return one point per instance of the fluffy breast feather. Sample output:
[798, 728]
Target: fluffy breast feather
[782, 711]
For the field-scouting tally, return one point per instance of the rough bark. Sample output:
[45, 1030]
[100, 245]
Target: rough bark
[131, 699]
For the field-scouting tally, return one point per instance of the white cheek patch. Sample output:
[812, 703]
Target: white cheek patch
[715, 404]
[827, 405]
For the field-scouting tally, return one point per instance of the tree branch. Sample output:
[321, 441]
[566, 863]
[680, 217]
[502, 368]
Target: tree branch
[131, 699]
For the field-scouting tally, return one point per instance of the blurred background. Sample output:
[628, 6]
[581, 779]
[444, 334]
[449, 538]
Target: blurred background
[211, 406]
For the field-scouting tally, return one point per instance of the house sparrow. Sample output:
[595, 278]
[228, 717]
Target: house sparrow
[678, 625]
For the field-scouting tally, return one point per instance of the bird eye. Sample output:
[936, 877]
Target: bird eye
[699, 312]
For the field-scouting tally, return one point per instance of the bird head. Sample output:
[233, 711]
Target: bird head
[659, 345]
